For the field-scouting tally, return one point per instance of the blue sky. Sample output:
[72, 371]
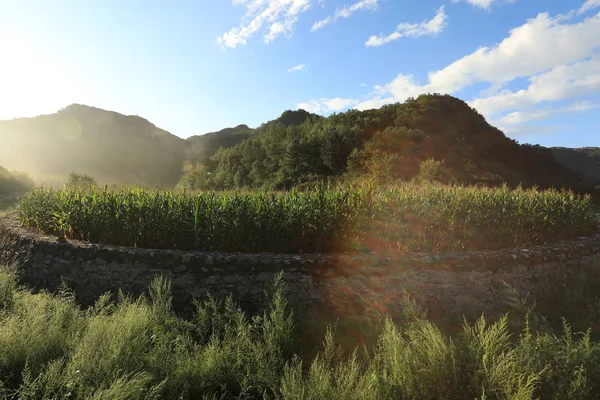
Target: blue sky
[532, 67]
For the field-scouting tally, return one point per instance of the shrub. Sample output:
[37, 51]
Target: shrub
[139, 349]
[432, 170]
[80, 182]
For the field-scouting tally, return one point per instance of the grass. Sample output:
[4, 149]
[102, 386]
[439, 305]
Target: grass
[139, 349]
[409, 217]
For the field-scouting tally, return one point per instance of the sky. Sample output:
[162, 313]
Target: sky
[531, 67]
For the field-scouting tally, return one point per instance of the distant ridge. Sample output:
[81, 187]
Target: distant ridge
[585, 160]
[297, 147]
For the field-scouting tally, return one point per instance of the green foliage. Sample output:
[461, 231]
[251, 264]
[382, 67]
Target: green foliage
[585, 160]
[112, 147]
[198, 147]
[14, 182]
[409, 217]
[432, 170]
[385, 145]
[139, 349]
[281, 222]
[298, 148]
[434, 217]
[80, 182]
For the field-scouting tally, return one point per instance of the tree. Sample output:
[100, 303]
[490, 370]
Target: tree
[80, 181]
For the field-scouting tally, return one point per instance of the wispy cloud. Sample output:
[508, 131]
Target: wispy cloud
[325, 106]
[484, 4]
[426, 28]
[588, 5]
[277, 17]
[299, 67]
[521, 117]
[559, 58]
[346, 12]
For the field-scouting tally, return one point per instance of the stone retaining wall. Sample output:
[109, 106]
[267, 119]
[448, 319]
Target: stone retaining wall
[466, 283]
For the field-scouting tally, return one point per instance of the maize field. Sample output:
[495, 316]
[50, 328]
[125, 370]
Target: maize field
[405, 218]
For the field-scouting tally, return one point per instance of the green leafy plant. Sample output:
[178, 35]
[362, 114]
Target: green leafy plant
[407, 217]
[140, 349]
[80, 181]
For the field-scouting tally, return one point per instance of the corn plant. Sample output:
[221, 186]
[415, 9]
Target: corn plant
[407, 217]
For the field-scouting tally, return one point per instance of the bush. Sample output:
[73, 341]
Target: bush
[80, 182]
[139, 349]
[432, 170]
[410, 217]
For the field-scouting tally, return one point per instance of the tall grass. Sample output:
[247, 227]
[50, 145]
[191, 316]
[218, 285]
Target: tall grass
[139, 349]
[410, 217]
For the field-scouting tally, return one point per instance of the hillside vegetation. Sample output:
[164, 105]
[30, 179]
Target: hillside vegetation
[387, 144]
[111, 147]
[585, 160]
[139, 349]
[203, 146]
[411, 217]
[296, 149]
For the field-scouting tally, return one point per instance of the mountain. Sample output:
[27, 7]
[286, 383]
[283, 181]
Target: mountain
[296, 148]
[585, 160]
[298, 117]
[386, 144]
[112, 147]
[200, 146]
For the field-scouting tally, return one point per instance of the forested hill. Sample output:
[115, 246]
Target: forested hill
[112, 147]
[585, 160]
[298, 147]
[202, 146]
[206, 145]
[386, 144]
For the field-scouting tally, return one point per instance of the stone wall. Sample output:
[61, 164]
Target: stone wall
[466, 283]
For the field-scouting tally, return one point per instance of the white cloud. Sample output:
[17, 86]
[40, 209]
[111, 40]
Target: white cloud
[538, 45]
[426, 28]
[544, 49]
[277, 28]
[559, 58]
[529, 129]
[588, 5]
[338, 104]
[375, 102]
[562, 82]
[313, 107]
[299, 67]
[522, 117]
[485, 4]
[279, 17]
[346, 12]
[325, 106]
